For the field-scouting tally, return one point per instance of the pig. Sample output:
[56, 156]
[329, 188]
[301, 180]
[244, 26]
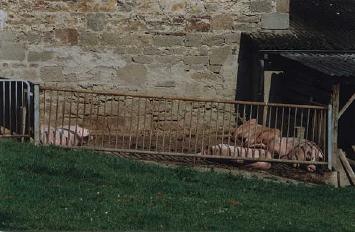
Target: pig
[65, 136]
[253, 133]
[297, 149]
[243, 152]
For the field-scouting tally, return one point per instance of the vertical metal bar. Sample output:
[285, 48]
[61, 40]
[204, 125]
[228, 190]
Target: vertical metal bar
[183, 128]
[76, 120]
[288, 128]
[151, 124]
[63, 116]
[216, 132]
[56, 117]
[16, 107]
[164, 122]
[177, 130]
[130, 124]
[223, 122]
[110, 117]
[229, 124]
[29, 108]
[157, 128]
[320, 127]
[4, 106]
[137, 129]
[44, 114]
[197, 126]
[50, 113]
[117, 121]
[69, 120]
[83, 122]
[10, 108]
[124, 121]
[103, 135]
[314, 125]
[171, 124]
[307, 126]
[97, 119]
[144, 121]
[203, 127]
[294, 127]
[190, 126]
[210, 125]
[90, 116]
[236, 126]
[330, 137]
[257, 122]
[37, 125]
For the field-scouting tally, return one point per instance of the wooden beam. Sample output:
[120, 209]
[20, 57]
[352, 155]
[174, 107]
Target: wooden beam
[349, 171]
[335, 107]
[348, 103]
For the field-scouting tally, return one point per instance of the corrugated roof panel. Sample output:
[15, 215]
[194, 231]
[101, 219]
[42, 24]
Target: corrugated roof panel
[338, 65]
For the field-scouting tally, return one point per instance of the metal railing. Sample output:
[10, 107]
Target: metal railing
[184, 126]
[16, 108]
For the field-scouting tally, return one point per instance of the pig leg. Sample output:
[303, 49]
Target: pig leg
[260, 165]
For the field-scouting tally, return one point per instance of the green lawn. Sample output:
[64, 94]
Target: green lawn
[53, 189]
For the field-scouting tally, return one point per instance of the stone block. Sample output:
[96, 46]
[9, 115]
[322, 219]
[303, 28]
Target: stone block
[12, 51]
[199, 76]
[219, 55]
[133, 75]
[283, 6]
[215, 68]
[191, 60]
[96, 22]
[275, 21]
[142, 59]
[169, 59]
[213, 40]
[198, 24]
[222, 22]
[8, 36]
[67, 36]
[232, 38]
[90, 39]
[152, 51]
[193, 40]
[261, 6]
[110, 38]
[166, 84]
[39, 56]
[52, 73]
[168, 41]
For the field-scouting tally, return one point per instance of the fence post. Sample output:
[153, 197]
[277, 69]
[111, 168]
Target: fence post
[36, 114]
[330, 137]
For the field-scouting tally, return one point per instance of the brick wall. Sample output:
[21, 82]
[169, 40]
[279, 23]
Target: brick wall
[161, 47]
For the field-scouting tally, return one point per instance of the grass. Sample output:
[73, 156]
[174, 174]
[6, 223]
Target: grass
[54, 189]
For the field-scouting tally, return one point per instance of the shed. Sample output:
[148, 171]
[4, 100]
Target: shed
[313, 62]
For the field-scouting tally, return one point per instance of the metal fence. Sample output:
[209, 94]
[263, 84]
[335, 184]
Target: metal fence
[16, 108]
[184, 127]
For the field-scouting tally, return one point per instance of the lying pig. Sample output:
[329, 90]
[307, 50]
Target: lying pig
[253, 133]
[243, 152]
[297, 149]
[65, 136]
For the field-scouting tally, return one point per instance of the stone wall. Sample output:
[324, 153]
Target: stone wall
[160, 47]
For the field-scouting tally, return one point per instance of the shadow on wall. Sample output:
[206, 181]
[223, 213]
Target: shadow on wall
[246, 71]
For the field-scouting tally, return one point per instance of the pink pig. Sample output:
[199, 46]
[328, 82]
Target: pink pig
[66, 136]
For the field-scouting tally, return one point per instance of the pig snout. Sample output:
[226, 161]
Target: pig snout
[311, 168]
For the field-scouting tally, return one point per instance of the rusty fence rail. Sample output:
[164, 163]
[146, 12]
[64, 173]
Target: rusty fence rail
[183, 126]
[17, 109]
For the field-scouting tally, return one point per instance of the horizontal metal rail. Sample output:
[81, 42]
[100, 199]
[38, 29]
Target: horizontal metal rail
[184, 98]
